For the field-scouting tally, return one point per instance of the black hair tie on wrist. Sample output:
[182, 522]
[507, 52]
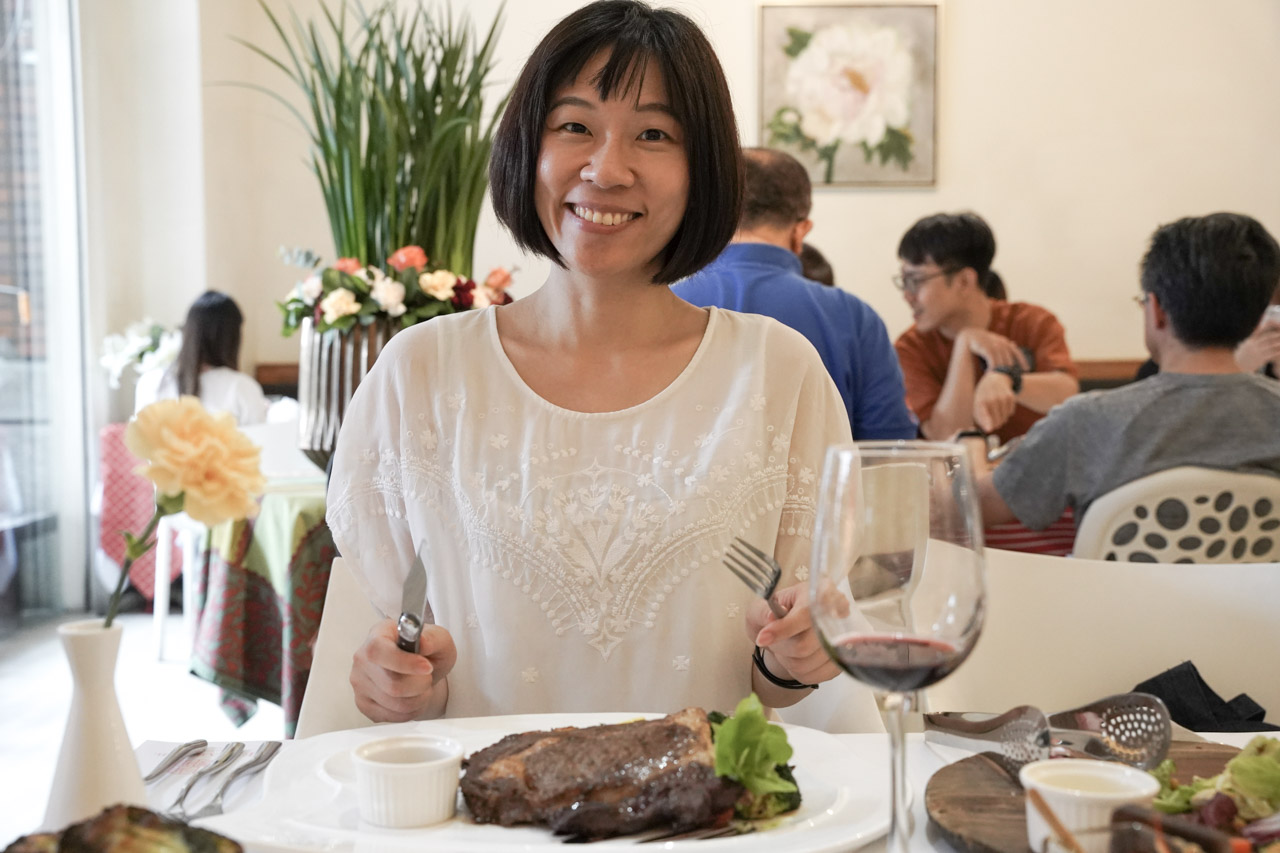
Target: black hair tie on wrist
[788, 683]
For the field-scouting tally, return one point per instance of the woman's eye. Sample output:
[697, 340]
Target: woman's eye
[654, 135]
[574, 127]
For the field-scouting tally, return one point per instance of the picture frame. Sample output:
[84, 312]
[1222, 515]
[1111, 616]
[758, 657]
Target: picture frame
[850, 90]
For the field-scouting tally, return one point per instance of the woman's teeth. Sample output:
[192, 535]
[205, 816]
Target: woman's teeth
[603, 218]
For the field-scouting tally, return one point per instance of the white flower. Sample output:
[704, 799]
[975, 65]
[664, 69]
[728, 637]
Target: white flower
[851, 83]
[309, 289]
[481, 297]
[438, 284]
[339, 303]
[389, 294]
[164, 354]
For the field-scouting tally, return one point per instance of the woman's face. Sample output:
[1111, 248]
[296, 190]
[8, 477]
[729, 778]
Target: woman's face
[613, 177]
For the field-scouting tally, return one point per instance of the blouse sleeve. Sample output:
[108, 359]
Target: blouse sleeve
[365, 502]
[821, 420]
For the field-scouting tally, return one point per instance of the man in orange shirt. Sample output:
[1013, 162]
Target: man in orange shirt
[972, 359]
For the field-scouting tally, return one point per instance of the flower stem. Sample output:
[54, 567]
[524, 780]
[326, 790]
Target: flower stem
[129, 556]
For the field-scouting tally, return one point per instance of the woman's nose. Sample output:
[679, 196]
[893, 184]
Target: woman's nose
[609, 165]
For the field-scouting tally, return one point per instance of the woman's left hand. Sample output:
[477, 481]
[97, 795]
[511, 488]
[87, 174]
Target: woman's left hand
[792, 640]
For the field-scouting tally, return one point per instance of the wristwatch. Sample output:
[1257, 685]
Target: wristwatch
[1013, 372]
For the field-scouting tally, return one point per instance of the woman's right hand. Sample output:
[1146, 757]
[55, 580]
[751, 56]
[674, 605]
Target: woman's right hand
[394, 686]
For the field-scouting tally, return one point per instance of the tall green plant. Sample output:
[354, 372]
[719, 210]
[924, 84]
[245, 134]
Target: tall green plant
[400, 137]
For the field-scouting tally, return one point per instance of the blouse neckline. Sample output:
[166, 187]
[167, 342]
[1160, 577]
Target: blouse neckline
[510, 370]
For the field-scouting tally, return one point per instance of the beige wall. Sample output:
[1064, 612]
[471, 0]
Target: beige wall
[1074, 127]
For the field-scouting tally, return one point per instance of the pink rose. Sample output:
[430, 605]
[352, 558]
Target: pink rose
[498, 279]
[409, 256]
[350, 266]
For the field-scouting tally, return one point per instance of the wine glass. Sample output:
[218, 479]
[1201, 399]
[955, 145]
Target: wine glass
[896, 584]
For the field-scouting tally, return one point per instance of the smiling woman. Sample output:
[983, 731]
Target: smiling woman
[572, 500]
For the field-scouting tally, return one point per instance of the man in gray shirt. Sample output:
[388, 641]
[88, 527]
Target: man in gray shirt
[1205, 283]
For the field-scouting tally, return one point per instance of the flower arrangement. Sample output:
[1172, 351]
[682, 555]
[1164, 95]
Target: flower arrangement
[847, 83]
[407, 290]
[200, 464]
[144, 345]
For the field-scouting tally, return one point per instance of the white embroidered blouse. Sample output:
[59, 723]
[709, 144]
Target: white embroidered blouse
[575, 557]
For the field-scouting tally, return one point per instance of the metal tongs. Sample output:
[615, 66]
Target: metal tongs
[1133, 728]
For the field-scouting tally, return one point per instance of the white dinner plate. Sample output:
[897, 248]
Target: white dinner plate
[309, 800]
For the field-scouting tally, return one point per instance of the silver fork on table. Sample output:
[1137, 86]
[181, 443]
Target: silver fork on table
[265, 753]
[229, 754]
[758, 570]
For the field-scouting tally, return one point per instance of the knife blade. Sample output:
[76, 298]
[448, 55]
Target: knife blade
[413, 600]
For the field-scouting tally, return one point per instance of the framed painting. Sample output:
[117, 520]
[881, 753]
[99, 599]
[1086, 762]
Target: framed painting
[849, 90]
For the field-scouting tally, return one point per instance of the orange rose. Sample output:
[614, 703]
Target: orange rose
[350, 266]
[409, 256]
[498, 279]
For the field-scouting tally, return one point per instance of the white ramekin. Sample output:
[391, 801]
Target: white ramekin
[408, 780]
[1082, 793]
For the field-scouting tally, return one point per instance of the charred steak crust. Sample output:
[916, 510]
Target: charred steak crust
[602, 780]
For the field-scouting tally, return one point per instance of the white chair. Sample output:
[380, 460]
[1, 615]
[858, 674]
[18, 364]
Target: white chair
[1061, 632]
[191, 538]
[1185, 515]
[329, 703]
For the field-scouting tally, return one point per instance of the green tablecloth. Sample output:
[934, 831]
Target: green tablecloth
[260, 601]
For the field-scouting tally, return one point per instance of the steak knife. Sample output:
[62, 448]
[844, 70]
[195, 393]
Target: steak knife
[413, 600]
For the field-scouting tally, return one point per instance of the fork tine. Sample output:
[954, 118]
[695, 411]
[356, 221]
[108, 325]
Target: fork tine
[744, 576]
[774, 569]
[765, 573]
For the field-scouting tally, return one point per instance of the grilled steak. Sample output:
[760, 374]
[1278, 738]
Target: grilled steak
[603, 780]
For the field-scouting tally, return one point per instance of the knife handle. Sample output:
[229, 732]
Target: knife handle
[408, 630]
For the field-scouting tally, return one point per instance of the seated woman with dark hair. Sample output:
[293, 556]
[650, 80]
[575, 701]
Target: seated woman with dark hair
[572, 467]
[207, 365]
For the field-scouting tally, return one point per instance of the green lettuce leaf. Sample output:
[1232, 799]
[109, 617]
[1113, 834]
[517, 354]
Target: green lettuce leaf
[749, 749]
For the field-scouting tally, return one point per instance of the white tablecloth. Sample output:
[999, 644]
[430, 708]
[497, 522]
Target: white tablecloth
[922, 761]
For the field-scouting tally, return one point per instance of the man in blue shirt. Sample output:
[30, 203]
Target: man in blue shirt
[760, 273]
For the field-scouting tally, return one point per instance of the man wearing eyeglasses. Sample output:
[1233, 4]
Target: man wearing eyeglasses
[972, 359]
[1205, 282]
[760, 272]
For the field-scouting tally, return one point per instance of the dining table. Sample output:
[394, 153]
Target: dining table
[260, 593]
[923, 759]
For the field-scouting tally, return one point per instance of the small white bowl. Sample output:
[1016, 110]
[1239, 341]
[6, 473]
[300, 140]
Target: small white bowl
[1083, 793]
[408, 780]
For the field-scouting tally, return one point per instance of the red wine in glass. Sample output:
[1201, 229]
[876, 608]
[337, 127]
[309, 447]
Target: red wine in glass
[898, 664]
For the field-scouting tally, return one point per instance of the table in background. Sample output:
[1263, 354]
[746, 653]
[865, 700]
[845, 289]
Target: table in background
[260, 599]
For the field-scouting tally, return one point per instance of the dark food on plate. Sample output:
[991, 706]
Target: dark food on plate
[126, 829]
[1170, 834]
[602, 781]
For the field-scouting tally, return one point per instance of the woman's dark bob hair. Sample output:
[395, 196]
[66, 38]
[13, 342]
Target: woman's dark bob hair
[634, 34]
[210, 338]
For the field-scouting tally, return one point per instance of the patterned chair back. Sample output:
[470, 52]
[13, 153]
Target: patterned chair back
[1185, 515]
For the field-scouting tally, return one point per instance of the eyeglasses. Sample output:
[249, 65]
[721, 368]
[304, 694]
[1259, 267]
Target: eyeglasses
[911, 284]
[1140, 299]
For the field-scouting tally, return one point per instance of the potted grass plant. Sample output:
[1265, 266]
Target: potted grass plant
[400, 135]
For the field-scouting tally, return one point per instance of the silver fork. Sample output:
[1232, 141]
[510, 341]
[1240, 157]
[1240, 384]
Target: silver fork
[229, 754]
[759, 571]
[265, 753]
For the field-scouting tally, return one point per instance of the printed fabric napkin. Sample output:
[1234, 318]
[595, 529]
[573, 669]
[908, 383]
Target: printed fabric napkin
[1194, 704]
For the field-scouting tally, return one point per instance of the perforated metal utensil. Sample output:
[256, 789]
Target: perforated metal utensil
[1134, 728]
[1016, 737]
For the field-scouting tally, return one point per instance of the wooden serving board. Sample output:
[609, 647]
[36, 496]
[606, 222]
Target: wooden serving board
[978, 808]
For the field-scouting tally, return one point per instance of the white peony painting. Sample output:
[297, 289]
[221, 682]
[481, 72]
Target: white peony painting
[849, 90]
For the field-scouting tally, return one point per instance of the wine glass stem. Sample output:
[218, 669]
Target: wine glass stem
[900, 814]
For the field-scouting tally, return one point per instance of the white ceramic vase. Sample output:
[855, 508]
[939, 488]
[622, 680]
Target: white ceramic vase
[96, 765]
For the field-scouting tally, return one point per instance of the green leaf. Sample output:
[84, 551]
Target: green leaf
[749, 748]
[799, 40]
[894, 147]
